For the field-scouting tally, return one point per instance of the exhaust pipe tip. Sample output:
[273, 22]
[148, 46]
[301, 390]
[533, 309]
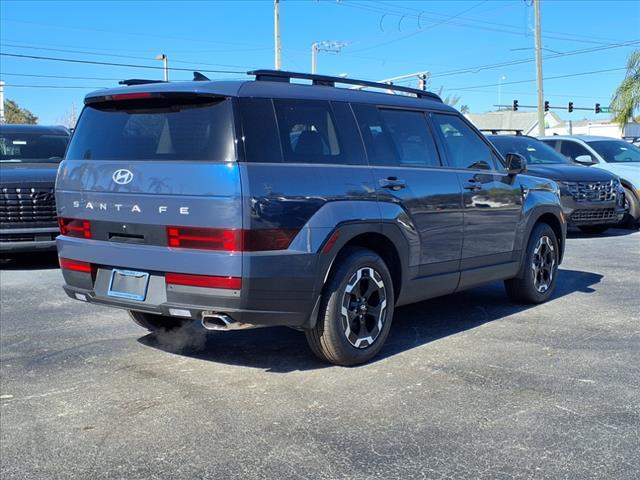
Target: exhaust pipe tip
[222, 322]
[216, 321]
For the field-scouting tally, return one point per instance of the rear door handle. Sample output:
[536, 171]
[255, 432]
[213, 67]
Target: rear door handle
[393, 183]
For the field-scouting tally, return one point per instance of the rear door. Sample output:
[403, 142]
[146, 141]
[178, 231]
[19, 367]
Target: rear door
[408, 170]
[492, 199]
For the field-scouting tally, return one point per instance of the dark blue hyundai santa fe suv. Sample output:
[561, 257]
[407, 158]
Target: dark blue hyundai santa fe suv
[273, 202]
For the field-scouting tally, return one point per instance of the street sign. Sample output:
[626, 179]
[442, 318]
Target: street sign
[605, 110]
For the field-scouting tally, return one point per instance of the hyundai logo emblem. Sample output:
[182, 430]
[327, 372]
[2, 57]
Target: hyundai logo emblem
[122, 176]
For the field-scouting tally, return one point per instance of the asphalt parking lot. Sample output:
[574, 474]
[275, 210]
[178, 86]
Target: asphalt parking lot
[469, 386]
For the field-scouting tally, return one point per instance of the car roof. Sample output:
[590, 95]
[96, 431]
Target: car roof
[277, 89]
[584, 138]
[27, 128]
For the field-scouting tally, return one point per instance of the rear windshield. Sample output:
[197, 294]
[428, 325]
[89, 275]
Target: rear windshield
[32, 147]
[197, 128]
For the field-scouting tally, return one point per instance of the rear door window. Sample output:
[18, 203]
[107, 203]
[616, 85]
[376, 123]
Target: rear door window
[397, 137]
[193, 128]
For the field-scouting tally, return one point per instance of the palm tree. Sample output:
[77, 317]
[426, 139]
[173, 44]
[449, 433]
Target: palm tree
[626, 99]
[451, 100]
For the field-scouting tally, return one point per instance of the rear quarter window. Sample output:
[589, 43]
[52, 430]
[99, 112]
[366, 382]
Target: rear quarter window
[154, 130]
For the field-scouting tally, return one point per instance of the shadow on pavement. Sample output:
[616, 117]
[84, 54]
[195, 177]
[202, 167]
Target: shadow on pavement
[282, 350]
[611, 232]
[30, 261]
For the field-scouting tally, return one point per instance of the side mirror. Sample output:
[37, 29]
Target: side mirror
[584, 159]
[516, 163]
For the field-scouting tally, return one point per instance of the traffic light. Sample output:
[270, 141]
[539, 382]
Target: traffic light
[570, 107]
[546, 105]
[422, 81]
[598, 110]
[515, 105]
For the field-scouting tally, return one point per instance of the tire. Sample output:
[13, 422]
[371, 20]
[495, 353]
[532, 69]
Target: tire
[594, 229]
[632, 217]
[356, 309]
[539, 277]
[156, 323]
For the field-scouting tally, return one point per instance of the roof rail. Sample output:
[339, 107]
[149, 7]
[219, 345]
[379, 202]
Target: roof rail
[138, 81]
[329, 81]
[496, 131]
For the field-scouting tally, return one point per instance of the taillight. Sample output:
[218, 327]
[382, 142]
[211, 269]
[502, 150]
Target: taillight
[205, 238]
[230, 240]
[75, 265]
[74, 227]
[233, 283]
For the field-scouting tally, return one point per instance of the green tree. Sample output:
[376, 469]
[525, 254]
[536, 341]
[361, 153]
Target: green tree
[14, 114]
[626, 99]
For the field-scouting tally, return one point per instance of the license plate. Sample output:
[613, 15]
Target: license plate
[128, 284]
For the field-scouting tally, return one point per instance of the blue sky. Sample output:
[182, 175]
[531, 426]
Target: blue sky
[384, 39]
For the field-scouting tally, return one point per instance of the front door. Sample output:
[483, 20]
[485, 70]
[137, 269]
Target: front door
[492, 199]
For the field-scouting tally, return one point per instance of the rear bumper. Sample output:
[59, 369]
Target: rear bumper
[278, 288]
[196, 311]
[14, 240]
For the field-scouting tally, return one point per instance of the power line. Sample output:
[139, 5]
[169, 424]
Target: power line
[423, 14]
[115, 55]
[93, 62]
[593, 72]
[56, 76]
[437, 23]
[145, 35]
[85, 87]
[529, 60]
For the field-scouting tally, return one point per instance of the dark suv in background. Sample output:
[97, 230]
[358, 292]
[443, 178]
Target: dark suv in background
[592, 199]
[268, 202]
[29, 158]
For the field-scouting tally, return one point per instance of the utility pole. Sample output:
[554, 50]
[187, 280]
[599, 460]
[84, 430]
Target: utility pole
[314, 55]
[165, 62]
[2, 119]
[276, 32]
[539, 70]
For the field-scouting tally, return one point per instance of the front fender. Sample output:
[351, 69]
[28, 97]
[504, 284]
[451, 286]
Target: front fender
[541, 201]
